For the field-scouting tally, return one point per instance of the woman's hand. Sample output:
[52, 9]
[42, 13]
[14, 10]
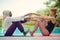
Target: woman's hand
[28, 19]
[32, 14]
[36, 14]
[28, 14]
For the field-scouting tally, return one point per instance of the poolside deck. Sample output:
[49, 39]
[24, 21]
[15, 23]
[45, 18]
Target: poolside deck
[30, 38]
[35, 37]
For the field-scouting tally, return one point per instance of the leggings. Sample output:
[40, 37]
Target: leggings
[12, 28]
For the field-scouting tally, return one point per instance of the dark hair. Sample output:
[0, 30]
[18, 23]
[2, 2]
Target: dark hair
[53, 10]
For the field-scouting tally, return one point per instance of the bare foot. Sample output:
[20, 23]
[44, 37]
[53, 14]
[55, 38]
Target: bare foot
[25, 33]
[31, 33]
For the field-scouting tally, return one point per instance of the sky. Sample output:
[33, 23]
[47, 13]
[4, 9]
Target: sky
[21, 7]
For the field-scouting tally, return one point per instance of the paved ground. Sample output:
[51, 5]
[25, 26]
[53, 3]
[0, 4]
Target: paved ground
[30, 38]
[35, 37]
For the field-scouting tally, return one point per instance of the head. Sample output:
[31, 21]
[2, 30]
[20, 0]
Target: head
[10, 14]
[7, 13]
[53, 12]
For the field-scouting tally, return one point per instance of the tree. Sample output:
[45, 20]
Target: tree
[55, 4]
[52, 4]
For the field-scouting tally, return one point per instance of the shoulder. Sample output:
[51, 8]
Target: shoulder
[8, 19]
[53, 20]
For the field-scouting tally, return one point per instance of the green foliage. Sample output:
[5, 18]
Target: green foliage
[29, 23]
[0, 22]
[48, 4]
[43, 12]
[56, 3]
[58, 14]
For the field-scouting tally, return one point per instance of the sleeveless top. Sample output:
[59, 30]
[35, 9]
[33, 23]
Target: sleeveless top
[50, 26]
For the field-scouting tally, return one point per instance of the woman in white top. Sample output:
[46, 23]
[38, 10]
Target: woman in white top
[10, 24]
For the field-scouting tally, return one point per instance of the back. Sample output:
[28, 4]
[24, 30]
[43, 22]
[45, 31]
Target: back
[6, 24]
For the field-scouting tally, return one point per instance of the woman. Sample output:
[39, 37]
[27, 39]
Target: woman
[10, 24]
[41, 23]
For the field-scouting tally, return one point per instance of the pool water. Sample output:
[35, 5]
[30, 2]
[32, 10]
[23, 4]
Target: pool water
[18, 33]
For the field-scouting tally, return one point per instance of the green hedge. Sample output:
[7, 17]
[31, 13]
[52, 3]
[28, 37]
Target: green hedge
[0, 22]
[29, 23]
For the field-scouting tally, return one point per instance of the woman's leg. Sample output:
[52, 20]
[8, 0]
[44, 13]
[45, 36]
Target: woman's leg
[35, 28]
[20, 27]
[43, 29]
[10, 30]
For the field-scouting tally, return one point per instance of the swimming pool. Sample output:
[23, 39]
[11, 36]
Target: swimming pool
[18, 33]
